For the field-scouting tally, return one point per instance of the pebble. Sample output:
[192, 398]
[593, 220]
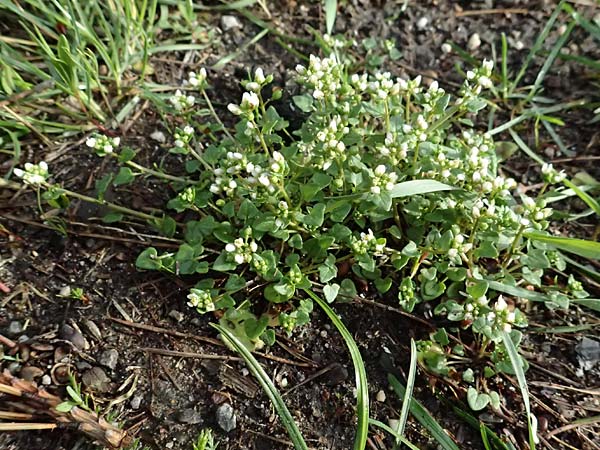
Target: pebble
[177, 315]
[229, 22]
[65, 291]
[158, 136]
[46, 380]
[109, 358]
[14, 328]
[226, 417]
[68, 333]
[136, 401]
[393, 423]
[474, 42]
[446, 48]
[422, 23]
[380, 396]
[189, 416]
[96, 379]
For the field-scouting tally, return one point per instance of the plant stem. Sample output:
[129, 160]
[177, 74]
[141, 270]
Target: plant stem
[113, 206]
[215, 115]
[158, 174]
[513, 247]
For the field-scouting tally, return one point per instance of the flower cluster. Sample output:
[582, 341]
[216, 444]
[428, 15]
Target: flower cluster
[183, 137]
[181, 101]
[102, 144]
[552, 176]
[323, 75]
[201, 299]
[250, 102]
[241, 250]
[368, 243]
[197, 80]
[33, 174]
[382, 180]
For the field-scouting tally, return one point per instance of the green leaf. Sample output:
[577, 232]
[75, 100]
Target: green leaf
[581, 247]
[330, 13]
[517, 365]
[112, 217]
[316, 216]
[362, 386]
[330, 291]
[148, 260]
[477, 400]
[125, 176]
[65, 407]
[424, 418]
[416, 187]
[304, 102]
[267, 385]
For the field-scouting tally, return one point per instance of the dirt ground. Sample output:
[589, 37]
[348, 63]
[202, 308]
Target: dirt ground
[136, 345]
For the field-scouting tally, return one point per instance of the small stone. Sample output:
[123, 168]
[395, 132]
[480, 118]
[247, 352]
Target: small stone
[14, 328]
[158, 136]
[229, 22]
[46, 380]
[14, 367]
[338, 374]
[422, 23]
[177, 315]
[189, 416]
[96, 379]
[65, 291]
[68, 333]
[109, 358]
[519, 45]
[588, 353]
[136, 401]
[30, 373]
[393, 423]
[226, 417]
[474, 42]
[170, 444]
[446, 48]
[380, 396]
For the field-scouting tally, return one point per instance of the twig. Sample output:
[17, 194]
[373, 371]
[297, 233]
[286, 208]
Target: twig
[164, 352]
[477, 12]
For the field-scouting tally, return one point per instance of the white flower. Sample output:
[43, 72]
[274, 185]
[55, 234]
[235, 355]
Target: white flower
[230, 248]
[375, 190]
[379, 170]
[33, 174]
[91, 142]
[501, 304]
[259, 76]
[235, 109]
[250, 100]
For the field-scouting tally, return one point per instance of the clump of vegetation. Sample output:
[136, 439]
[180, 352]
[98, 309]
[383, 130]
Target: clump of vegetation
[272, 212]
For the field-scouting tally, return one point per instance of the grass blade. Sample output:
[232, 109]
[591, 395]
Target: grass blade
[537, 45]
[517, 365]
[493, 439]
[330, 13]
[390, 430]
[267, 385]
[424, 418]
[582, 247]
[550, 60]
[584, 196]
[416, 187]
[410, 384]
[362, 387]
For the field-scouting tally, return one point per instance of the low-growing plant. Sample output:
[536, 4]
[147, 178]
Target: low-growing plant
[386, 181]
